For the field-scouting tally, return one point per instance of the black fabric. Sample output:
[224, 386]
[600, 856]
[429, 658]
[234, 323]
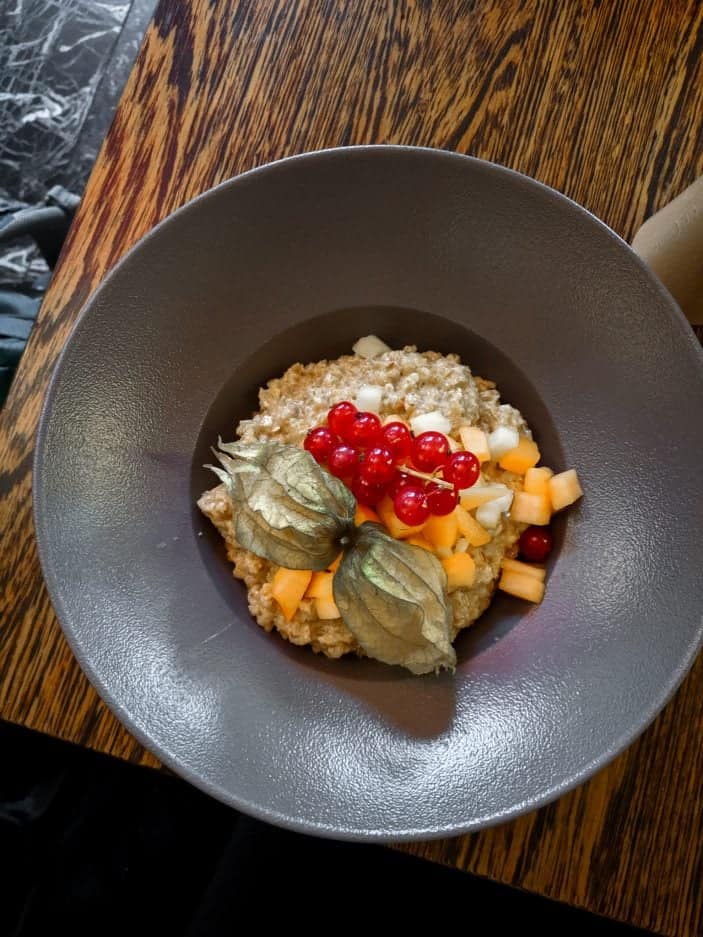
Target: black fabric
[94, 846]
[17, 314]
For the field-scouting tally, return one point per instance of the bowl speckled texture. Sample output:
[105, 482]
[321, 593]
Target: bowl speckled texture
[295, 261]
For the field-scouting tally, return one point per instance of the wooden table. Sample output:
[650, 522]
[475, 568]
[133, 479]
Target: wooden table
[602, 101]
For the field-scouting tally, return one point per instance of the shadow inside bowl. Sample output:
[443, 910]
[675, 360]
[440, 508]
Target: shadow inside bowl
[418, 707]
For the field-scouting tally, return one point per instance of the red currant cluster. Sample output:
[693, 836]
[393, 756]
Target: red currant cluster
[370, 459]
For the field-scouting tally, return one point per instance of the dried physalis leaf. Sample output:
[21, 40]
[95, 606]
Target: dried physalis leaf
[287, 509]
[392, 598]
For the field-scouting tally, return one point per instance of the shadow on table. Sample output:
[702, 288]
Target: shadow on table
[93, 845]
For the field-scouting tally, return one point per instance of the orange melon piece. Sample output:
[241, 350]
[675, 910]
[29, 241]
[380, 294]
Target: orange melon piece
[334, 566]
[522, 587]
[363, 514]
[417, 540]
[481, 494]
[288, 588]
[531, 509]
[395, 527]
[564, 489]
[320, 586]
[460, 570]
[524, 569]
[523, 457]
[475, 440]
[394, 418]
[470, 528]
[537, 481]
[442, 531]
[326, 609]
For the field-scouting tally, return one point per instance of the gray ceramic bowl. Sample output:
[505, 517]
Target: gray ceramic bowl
[293, 262]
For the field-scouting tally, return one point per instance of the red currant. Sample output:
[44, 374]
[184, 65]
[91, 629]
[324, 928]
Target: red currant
[430, 451]
[340, 416]
[400, 480]
[399, 440]
[343, 461]
[363, 430]
[410, 505]
[441, 500]
[366, 493]
[378, 467]
[536, 544]
[462, 469]
[319, 442]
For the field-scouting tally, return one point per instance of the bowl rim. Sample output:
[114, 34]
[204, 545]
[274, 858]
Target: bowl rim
[667, 690]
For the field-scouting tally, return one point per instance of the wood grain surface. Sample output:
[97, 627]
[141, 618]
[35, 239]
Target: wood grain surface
[601, 100]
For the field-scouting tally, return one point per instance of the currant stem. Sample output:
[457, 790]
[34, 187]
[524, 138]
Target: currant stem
[426, 477]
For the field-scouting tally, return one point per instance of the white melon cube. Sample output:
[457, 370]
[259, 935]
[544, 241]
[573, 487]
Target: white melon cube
[489, 514]
[504, 502]
[369, 398]
[502, 440]
[430, 422]
[370, 346]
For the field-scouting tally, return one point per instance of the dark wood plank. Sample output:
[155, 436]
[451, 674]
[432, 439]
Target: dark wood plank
[599, 99]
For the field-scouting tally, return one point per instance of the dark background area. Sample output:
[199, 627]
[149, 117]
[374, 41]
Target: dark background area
[97, 846]
[87, 842]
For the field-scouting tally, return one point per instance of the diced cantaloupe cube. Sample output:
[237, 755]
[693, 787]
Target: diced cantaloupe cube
[523, 587]
[417, 540]
[470, 528]
[395, 527]
[363, 514]
[531, 509]
[524, 569]
[394, 418]
[334, 565]
[474, 497]
[442, 531]
[320, 586]
[326, 609]
[475, 440]
[564, 489]
[461, 571]
[537, 480]
[288, 588]
[523, 457]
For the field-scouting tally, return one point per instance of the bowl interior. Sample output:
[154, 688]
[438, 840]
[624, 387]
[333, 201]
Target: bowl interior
[330, 335]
